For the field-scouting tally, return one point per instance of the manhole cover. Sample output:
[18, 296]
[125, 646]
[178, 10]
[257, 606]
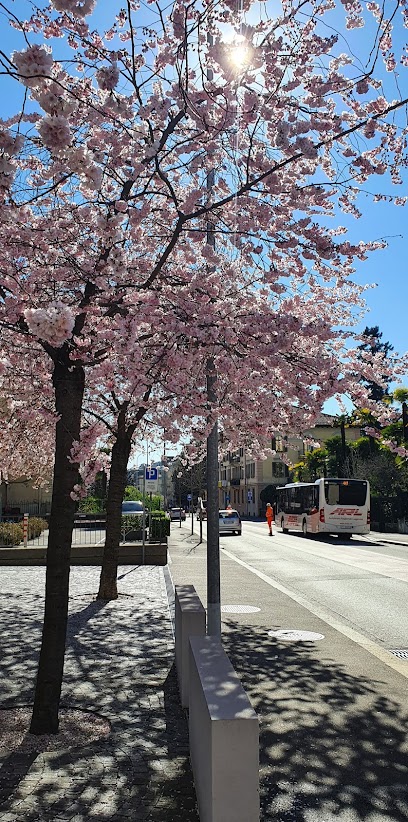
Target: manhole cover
[401, 654]
[239, 609]
[295, 635]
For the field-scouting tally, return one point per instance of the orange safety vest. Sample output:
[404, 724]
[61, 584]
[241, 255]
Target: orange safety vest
[269, 514]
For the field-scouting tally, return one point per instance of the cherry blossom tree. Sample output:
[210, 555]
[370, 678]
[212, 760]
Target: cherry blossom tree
[26, 413]
[131, 144]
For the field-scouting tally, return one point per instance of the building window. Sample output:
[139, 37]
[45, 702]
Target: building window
[278, 469]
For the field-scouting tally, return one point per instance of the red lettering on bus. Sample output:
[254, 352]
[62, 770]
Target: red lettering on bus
[350, 512]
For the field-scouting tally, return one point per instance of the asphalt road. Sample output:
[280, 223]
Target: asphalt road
[309, 626]
[361, 583]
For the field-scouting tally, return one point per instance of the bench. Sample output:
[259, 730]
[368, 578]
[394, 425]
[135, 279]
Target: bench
[224, 737]
[189, 621]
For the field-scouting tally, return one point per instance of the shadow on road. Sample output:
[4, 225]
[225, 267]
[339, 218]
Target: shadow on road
[330, 742]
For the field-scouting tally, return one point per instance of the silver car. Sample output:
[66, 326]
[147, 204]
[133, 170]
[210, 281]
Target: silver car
[130, 506]
[230, 522]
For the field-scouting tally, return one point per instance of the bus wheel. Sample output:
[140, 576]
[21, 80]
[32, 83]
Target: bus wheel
[304, 528]
[284, 530]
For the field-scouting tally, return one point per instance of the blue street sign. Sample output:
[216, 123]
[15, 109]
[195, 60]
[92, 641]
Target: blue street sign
[152, 474]
[189, 496]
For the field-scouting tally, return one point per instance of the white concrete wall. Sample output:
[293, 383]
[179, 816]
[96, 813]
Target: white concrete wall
[189, 621]
[224, 737]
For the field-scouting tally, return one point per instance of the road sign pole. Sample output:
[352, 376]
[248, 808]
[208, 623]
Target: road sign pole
[144, 518]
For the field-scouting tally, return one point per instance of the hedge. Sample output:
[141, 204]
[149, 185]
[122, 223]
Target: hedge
[11, 533]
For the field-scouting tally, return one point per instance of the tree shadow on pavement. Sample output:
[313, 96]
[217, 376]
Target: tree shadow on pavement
[332, 746]
[118, 664]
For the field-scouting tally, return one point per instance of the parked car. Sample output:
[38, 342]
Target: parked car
[132, 507]
[177, 514]
[230, 522]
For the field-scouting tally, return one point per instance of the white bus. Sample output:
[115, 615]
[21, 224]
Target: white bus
[329, 506]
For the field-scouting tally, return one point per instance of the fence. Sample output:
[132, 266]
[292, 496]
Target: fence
[389, 513]
[88, 529]
[12, 531]
[34, 509]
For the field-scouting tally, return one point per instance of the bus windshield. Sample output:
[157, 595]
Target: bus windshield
[345, 492]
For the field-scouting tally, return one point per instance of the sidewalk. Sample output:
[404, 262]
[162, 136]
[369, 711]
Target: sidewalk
[127, 757]
[333, 716]
[393, 538]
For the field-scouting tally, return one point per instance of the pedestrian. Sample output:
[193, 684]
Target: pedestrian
[270, 516]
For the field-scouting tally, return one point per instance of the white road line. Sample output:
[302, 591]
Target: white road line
[384, 656]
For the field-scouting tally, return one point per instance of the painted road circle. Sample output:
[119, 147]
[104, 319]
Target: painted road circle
[291, 635]
[239, 609]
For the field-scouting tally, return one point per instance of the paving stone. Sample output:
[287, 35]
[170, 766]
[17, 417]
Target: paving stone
[119, 663]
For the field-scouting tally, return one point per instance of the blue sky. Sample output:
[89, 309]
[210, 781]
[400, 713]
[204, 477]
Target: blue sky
[388, 302]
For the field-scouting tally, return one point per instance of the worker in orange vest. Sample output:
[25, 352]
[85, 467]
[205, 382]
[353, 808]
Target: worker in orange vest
[270, 516]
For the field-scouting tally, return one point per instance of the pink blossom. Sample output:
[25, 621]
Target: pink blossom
[55, 132]
[372, 432]
[53, 324]
[53, 100]
[79, 8]
[108, 77]
[10, 143]
[362, 86]
[7, 171]
[33, 65]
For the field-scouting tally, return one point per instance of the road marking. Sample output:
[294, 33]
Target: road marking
[383, 655]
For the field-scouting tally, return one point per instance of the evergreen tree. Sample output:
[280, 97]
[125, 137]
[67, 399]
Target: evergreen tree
[373, 345]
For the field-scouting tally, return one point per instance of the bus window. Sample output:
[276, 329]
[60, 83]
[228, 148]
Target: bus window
[345, 492]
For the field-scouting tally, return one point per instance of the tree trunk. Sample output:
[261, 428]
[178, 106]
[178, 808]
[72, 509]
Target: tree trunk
[117, 483]
[68, 384]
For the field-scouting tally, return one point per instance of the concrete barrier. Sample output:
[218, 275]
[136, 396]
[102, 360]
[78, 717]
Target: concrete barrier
[224, 737]
[189, 621]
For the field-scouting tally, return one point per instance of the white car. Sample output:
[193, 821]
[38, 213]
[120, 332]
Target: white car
[177, 514]
[230, 522]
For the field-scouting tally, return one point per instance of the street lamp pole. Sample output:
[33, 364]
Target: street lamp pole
[213, 536]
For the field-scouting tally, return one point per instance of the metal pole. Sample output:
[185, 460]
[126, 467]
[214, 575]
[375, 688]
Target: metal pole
[144, 506]
[191, 501]
[25, 530]
[213, 536]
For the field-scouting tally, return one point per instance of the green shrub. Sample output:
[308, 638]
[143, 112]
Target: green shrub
[132, 521]
[160, 528]
[11, 533]
[36, 526]
[131, 527]
[158, 514]
[91, 505]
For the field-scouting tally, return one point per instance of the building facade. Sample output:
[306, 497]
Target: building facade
[243, 478]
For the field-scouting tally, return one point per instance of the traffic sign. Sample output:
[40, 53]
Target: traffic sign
[189, 497]
[151, 479]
